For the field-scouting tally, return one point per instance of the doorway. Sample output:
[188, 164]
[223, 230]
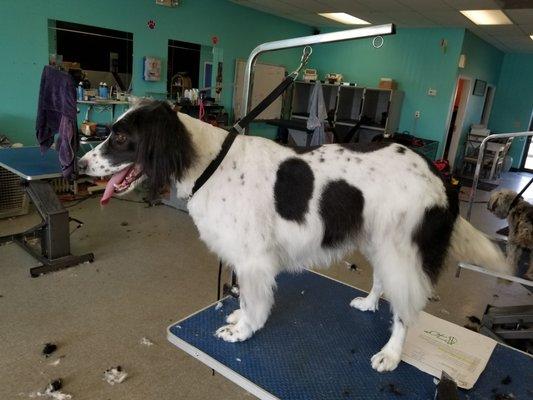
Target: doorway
[458, 111]
[527, 157]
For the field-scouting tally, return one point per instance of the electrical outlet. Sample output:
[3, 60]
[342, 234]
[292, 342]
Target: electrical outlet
[417, 114]
[432, 92]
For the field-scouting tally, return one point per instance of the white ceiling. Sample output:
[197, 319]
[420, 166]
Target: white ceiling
[414, 14]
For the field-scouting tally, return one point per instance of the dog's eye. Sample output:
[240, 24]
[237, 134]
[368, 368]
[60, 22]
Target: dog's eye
[120, 138]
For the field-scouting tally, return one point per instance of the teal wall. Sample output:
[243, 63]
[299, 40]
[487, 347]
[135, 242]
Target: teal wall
[513, 102]
[24, 43]
[415, 59]
[483, 61]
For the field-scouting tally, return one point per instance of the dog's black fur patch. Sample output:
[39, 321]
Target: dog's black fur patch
[365, 147]
[434, 233]
[293, 189]
[341, 209]
[156, 140]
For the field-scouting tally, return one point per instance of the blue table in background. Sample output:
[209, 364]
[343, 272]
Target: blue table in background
[315, 346]
[34, 169]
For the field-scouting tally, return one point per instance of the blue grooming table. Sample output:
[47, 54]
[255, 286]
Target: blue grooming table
[54, 234]
[315, 346]
[30, 164]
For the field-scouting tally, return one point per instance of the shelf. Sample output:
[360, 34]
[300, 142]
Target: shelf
[373, 127]
[102, 102]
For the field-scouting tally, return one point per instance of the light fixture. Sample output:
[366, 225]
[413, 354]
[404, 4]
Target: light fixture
[487, 17]
[531, 36]
[344, 18]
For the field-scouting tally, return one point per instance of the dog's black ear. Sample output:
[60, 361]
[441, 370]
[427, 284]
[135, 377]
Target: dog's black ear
[165, 149]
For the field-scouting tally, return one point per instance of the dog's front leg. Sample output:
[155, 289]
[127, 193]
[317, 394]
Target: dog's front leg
[256, 295]
[389, 356]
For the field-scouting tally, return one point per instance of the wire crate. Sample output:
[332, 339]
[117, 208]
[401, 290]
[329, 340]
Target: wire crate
[13, 199]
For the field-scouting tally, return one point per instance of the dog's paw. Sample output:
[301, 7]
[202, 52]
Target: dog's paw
[385, 360]
[234, 317]
[234, 333]
[364, 304]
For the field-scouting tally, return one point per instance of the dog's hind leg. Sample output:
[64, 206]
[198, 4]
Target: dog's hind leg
[514, 253]
[371, 301]
[256, 296]
[407, 287]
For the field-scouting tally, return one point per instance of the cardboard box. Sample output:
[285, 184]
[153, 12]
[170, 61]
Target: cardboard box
[388, 83]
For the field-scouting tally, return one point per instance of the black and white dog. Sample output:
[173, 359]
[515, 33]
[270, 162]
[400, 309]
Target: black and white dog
[269, 208]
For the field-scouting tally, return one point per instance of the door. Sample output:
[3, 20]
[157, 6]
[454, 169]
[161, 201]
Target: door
[459, 106]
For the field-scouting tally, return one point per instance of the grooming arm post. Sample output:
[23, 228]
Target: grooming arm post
[480, 161]
[332, 37]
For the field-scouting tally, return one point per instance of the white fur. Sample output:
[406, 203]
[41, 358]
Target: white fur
[236, 217]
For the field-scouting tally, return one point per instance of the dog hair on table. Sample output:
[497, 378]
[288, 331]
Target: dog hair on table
[520, 219]
[269, 208]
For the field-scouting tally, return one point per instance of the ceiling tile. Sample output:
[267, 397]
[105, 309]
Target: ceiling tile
[446, 18]
[473, 4]
[527, 29]
[410, 19]
[521, 16]
[275, 5]
[419, 5]
[503, 30]
[382, 5]
[306, 5]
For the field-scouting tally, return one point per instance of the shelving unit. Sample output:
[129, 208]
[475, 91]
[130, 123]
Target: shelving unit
[377, 110]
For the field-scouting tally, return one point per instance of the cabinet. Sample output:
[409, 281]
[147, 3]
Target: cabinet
[376, 110]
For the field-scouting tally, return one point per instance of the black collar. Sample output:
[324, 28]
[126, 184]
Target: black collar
[213, 165]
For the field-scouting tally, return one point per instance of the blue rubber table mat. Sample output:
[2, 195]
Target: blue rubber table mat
[315, 346]
[29, 163]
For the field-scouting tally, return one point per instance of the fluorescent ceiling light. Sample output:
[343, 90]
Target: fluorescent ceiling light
[344, 18]
[487, 17]
[531, 36]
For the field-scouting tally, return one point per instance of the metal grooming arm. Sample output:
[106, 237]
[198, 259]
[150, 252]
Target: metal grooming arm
[480, 160]
[341, 36]
[497, 321]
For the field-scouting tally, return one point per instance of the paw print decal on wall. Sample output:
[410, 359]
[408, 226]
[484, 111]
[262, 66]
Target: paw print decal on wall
[151, 24]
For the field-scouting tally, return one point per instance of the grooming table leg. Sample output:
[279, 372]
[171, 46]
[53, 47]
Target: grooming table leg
[53, 232]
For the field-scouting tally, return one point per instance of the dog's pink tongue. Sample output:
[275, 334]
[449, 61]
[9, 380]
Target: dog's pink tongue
[110, 187]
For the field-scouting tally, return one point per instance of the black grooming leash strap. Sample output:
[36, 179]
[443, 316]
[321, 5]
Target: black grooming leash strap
[239, 127]
[213, 165]
[517, 197]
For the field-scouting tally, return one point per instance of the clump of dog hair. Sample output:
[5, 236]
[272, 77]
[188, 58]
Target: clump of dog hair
[115, 375]
[48, 349]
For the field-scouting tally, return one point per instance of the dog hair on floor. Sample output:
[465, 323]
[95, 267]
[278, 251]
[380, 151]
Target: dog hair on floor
[520, 219]
[269, 208]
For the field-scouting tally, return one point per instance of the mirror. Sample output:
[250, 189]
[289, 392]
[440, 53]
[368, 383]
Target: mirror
[190, 66]
[92, 54]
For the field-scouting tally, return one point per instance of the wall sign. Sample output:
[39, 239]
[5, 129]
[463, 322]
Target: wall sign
[152, 69]
[479, 88]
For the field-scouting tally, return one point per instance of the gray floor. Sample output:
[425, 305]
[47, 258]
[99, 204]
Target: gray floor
[148, 273]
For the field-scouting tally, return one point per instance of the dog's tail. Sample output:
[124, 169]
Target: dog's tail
[472, 246]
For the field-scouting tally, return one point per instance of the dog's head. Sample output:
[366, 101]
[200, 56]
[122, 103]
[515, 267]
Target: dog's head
[500, 202]
[147, 143]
